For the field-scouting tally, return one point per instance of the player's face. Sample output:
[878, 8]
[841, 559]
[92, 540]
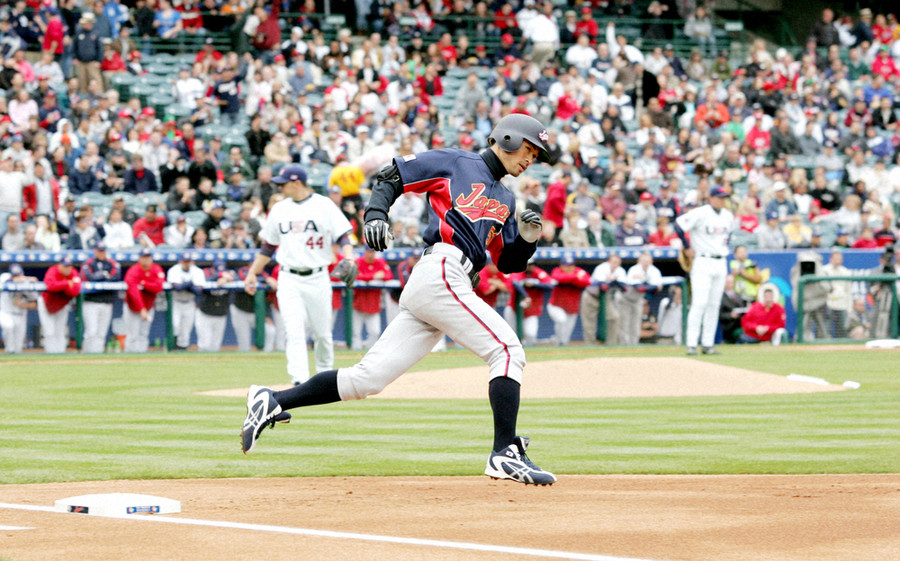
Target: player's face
[518, 161]
[717, 202]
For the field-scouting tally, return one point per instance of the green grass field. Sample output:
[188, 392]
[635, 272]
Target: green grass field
[135, 417]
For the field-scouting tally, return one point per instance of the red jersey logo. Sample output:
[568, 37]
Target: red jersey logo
[478, 207]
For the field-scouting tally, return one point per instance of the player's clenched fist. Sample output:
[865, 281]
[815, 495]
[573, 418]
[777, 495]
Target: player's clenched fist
[377, 233]
[530, 225]
[250, 283]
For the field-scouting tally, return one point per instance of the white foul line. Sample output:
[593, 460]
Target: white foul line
[347, 535]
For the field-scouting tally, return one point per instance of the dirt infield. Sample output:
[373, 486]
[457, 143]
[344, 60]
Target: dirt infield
[594, 378]
[685, 518]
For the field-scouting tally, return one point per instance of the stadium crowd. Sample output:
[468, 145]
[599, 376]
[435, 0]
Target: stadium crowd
[806, 142]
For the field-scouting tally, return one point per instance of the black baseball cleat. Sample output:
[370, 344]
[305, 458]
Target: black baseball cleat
[512, 463]
[711, 351]
[262, 411]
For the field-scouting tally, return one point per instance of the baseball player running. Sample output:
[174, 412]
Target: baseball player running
[709, 227]
[470, 211]
[303, 227]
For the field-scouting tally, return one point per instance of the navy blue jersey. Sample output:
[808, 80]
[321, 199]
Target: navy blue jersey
[468, 208]
[96, 270]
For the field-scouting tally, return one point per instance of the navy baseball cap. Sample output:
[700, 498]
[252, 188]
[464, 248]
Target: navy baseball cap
[225, 224]
[290, 173]
[146, 252]
[216, 203]
[719, 192]
[100, 246]
[567, 259]
[15, 270]
[219, 265]
[771, 216]
[186, 256]
[67, 260]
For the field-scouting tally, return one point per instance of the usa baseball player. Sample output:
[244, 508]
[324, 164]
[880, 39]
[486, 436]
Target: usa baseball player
[303, 227]
[709, 227]
[187, 281]
[471, 212]
[14, 308]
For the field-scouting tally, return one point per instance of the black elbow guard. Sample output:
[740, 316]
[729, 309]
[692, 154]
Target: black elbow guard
[387, 189]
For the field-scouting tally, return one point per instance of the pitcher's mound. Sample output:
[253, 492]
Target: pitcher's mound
[594, 378]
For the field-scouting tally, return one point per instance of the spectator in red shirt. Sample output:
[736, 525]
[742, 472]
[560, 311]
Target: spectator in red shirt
[884, 64]
[530, 297]
[565, 300]
[367, 301]
[665, 235]
[866, 240]
[112, 62]
[712, 112]
[505, 18]
[148, 229]
[491, 284]
[63, 283]
[764, 321]
[555, 203]
[208, 51]
[55, 34]
[587, 25]
[144, 280]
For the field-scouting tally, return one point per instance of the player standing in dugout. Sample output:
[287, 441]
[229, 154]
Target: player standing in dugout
[471, 212]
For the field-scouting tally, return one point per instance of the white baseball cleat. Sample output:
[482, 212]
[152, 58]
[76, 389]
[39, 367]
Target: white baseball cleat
[512, 463]
[262, 411]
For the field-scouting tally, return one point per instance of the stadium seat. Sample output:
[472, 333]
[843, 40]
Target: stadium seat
[195, 218]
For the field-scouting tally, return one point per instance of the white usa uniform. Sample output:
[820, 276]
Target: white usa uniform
[304, 233]
[184, 302]
[709, 231]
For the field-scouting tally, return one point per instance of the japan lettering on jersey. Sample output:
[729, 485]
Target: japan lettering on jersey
[468, 208]
[304, 232]
[709, 229]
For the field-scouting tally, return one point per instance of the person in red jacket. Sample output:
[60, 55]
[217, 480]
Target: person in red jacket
[764, 321]
[148, 229]
[491, 284]
[63, 283]
[565, 300]
[555, 203]
[144, 281]
[529, 296]
[367, 301]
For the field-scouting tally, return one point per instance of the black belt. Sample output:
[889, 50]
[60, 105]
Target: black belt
[464, 261]
[305, 272]
[712, 256]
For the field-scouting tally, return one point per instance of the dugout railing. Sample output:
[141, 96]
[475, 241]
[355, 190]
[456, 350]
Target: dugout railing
[882, 311]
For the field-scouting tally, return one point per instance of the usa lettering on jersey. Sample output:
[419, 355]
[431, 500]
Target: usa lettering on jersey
[297, 226]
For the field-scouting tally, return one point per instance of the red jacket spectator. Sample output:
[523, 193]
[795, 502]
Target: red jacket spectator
[150, 224]
[758, 139]
[112, 62]
[54, 36]
[566, 107]
[555, 203]
[531, 276]
[587, 24]
[491, 283]
[759, 315]
[662, 239]
[714, 113]
[191, 18]
[268, 34]
[368, 300]
[571, 281]
[63, 283]
[143, 285]
[884, 65]
[29, 199]
[505, 18]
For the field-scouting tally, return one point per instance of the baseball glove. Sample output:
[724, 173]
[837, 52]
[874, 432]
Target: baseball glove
[685, 260]
[346, 271]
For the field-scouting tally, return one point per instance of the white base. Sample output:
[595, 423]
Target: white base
[883, 344]
[118, 504]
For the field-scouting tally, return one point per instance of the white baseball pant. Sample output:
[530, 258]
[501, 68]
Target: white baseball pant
[183, 316]
[54, 327]
[437, 300]
[306, 299]
[631, 313]
[97, 316]
[137, 331]
[707, 285]
[563, 323]
[372, 322]
[14, 328]
[244, 324]
[280, 338]
[210, 332]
